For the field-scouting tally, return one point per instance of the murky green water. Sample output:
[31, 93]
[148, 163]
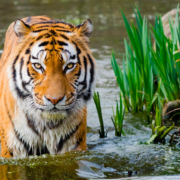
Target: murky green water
[111, 157]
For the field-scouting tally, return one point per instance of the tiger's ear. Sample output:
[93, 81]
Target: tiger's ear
[21, 29]
[85, 29]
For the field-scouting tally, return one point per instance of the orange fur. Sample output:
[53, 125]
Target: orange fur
[48, 78]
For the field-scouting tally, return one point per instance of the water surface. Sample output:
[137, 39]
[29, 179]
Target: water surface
[112, 157]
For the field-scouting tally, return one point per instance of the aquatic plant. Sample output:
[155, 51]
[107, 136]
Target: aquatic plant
[122, 81]
[137, 80]
[149, 71]
[159, 132]
[97, 102]
[118, 117]
[164, 63]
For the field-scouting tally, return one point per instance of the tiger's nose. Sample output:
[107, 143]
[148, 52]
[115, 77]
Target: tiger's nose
[54, 101]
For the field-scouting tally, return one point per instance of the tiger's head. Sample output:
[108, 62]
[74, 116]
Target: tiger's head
[54, 71]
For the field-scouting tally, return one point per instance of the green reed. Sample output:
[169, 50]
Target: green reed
[136, 78]
[97, 102]
[159, 132]
[164, 59]
[147, 72]
[118, 117]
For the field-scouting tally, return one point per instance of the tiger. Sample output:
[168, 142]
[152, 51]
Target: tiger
[47, 77]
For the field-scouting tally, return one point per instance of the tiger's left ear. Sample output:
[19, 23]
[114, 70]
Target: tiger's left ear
[85, 29]
[21, 29]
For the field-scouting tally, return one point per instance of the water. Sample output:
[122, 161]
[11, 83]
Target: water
[112, 157]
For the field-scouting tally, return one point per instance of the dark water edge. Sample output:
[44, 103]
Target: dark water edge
[111, 157]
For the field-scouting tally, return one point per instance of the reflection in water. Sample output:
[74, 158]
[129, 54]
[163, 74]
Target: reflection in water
[39, 168]
[12, 172]
[111, 157]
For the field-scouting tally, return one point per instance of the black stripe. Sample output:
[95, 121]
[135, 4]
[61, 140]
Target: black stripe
[44, 150]
[78, 74]
[92, 68]
[27, 51]
[40, 37]
[40, 30]
[31, 44]
[33, 57]
[48, 35]
[28, 72]
[21, 65]
[77, 48]
[79, 140]
[24, 84]
[3, 139]
[53, 42]
[44, 43]
[15, 131]
[65, 37]
[73, 57]
[52, 32]
[7, 110]
[67, 137]
[61, 43]
[84, 81]
[76, 82]
[61, 27]
[29, 59]
[73, 85]
[54, 124]
[78, 52]
[43, 26]
[45, 22]
[31, 125]
[29, 150]
[26, 146]
[63, 31]
[87, 96]
[18, 91]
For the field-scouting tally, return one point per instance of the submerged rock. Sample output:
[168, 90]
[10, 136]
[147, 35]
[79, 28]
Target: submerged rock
[171, 112]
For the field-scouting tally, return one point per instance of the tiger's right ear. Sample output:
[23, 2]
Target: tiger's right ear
[21, 29]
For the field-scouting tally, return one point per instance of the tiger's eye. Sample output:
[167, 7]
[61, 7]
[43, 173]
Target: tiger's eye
[70, 65]
[37, 65]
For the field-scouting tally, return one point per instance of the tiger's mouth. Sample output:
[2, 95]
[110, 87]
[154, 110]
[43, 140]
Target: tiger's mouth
[55, 108]
[57, 114]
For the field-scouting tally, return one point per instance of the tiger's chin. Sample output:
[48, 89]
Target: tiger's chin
[55, 116]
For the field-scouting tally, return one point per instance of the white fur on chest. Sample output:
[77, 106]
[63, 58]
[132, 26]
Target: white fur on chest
[45, 136]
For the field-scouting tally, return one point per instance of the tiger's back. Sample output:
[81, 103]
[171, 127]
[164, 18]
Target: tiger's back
[47, 76]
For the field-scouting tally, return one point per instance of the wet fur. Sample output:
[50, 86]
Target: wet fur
[28, 126]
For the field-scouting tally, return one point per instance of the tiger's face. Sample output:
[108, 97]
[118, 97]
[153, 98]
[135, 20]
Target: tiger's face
[55, 75]
[56, 71]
